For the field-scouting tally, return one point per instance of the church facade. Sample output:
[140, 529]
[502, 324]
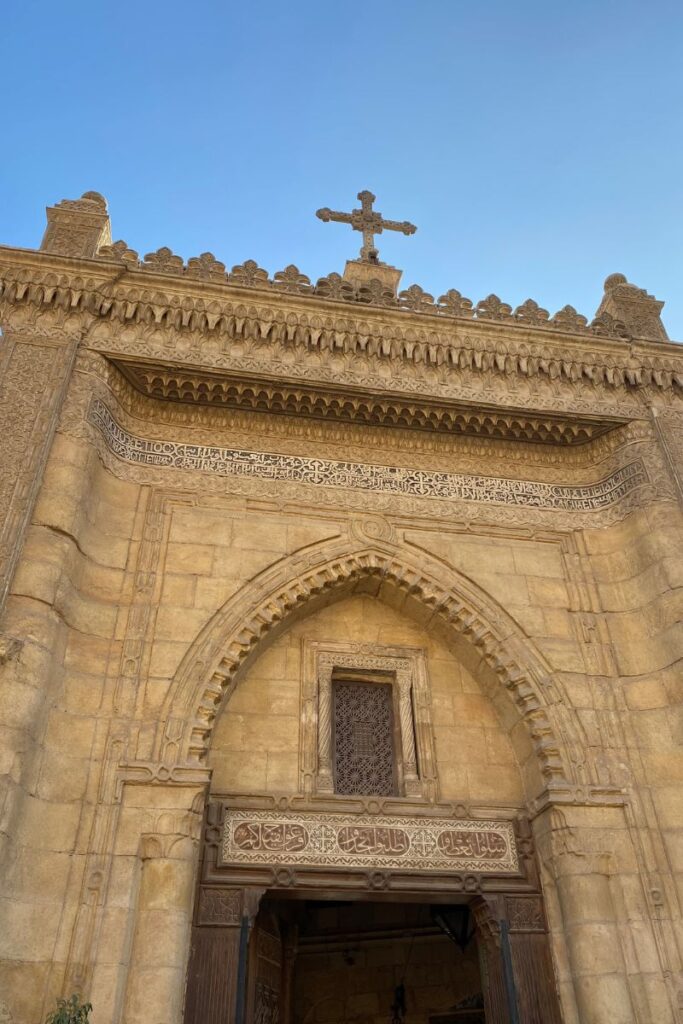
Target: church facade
[340, 644]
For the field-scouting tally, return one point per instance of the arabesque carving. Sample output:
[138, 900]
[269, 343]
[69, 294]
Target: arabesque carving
[319, 840]
[322, 472]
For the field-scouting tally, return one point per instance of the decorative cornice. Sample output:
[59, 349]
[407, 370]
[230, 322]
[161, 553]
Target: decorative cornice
[257, 395]
[278, 318]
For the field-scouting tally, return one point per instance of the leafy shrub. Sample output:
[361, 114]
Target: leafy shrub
[69, 1011]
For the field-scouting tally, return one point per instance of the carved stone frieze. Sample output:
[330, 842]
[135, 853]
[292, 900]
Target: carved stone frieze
[328, 473]
[358, 436]
[254, 837]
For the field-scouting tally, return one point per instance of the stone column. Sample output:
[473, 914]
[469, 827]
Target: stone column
[156, 979]
[409, 756]
[325, 782]
[589, 922]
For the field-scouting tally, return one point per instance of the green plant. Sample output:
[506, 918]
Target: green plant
[69, 1011]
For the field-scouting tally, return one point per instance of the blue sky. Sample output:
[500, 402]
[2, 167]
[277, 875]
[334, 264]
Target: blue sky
[537, 145]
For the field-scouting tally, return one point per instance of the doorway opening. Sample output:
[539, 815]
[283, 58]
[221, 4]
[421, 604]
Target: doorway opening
[365, 962]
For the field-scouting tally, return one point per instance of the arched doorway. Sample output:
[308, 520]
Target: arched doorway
[283, 847]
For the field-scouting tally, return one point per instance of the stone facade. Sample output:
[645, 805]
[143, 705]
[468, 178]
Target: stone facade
[207, 479]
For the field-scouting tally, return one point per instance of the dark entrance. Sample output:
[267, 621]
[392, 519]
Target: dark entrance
[260, 959]
[371, 962]
[323, 945]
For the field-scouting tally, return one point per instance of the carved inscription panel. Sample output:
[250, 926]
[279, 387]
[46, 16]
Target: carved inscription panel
[366, 477]
[347, 841]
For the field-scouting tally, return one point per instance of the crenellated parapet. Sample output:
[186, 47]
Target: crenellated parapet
[245, 307]
[81, 229]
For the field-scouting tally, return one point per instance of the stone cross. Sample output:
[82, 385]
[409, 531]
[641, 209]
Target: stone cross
[369, 222]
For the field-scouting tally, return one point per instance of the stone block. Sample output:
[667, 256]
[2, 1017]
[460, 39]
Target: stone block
[179, 590]
[30, 929]
[166, 657]
[545, 593]
[474, 710]
[262, 534]
[282, 773]
[453, 781]
[48, 825]
[461, 744]
[201, 525]
[509, 589]
[193, 559]
[62, 778]
[487, 784]
[534, 559]
[239, 772]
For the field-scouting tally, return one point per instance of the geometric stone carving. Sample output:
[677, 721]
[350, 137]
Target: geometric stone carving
[525, 913]
[567, 319]
[219, 907]
[120, 252]
[291, 280]
[491, 308]
[163, 261]
[454, 304]
[363, 738]
[638, 311]
[77, 227]
[249, 273]
[205, 268]
[531, 313]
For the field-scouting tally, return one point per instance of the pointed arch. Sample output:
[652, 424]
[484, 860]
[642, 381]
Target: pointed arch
[437, 596]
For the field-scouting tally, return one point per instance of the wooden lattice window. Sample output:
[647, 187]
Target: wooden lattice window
[402, 673]
[363, 736]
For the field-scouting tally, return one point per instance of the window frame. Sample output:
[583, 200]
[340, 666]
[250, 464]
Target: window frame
[414, 745]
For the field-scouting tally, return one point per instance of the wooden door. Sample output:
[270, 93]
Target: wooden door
[264, 983]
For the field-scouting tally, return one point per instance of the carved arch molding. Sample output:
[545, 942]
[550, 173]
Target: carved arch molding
[426, 589]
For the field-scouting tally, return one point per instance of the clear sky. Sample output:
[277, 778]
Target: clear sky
[537, 145]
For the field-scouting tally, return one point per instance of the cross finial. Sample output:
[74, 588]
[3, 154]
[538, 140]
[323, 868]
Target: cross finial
[370, 222]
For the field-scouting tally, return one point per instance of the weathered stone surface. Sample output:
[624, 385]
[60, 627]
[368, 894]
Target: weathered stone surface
[486, 512]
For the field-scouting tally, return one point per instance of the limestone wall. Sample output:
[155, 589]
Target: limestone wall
[118, 580]
[255, 746]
